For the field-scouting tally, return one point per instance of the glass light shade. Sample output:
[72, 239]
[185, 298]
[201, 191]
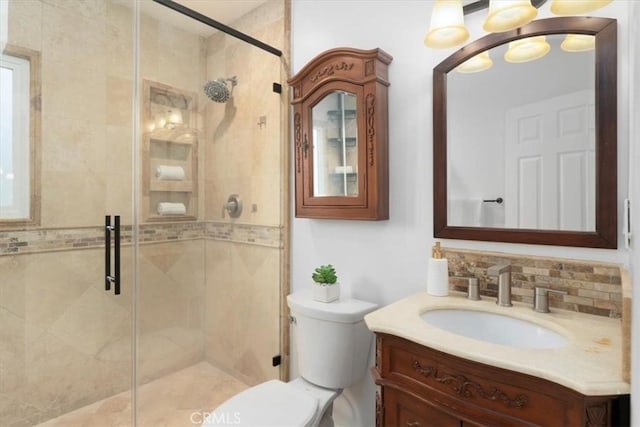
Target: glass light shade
[576, 7]
[478, 63]
[507, 15]
[447, 25]
[528, 49]
[578, 43]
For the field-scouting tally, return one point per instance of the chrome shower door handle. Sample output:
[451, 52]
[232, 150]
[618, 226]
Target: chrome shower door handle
[109, 278]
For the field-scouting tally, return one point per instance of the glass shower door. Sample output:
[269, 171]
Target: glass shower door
[210, 253]
[65, 341]
[197, 318]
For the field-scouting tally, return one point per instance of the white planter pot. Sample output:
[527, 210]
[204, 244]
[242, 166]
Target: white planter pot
[325, 293]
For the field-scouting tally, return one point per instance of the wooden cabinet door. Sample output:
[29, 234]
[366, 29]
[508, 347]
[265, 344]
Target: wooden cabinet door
[401, 409]
[340, 135]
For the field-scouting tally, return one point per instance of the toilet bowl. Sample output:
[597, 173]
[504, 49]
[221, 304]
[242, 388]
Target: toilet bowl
[333, 346]
[277, 404]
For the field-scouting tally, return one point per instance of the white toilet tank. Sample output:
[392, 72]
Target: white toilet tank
[333, 342]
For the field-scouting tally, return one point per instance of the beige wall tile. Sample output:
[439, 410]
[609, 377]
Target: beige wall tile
[25, 24]
[242, 315]
[119, 37]
[64, 339]
[56, 318]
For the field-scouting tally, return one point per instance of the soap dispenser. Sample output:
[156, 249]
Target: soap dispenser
[438, 273]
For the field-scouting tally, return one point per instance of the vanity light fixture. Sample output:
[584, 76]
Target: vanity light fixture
[576, 7]
[507, 15]
[525, 50]
[447, 25]
[578, 43]
[480, 62]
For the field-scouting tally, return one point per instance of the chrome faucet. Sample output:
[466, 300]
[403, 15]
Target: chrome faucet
[503, 271]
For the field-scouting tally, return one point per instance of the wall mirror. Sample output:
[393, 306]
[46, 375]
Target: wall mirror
[525, 150]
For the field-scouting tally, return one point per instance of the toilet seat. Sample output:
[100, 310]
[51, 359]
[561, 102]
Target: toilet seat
[274, 403]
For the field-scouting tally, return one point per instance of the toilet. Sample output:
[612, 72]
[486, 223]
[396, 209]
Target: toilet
[333, 345]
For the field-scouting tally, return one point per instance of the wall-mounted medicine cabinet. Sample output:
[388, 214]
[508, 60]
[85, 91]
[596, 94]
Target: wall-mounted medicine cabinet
[341, 135]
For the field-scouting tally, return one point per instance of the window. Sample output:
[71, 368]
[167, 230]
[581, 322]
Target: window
[18, 145]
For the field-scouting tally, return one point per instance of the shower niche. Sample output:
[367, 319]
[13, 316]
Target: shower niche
[169, 153]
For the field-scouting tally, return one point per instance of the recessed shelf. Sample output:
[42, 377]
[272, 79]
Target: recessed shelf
[173, 146]
[181, 186]
[181, 135]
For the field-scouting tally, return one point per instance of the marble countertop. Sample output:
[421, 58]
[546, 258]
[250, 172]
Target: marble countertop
[591, 363]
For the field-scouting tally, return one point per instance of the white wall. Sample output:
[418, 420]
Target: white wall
[387, 260]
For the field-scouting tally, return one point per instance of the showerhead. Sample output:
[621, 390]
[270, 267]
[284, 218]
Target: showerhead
[218, 91]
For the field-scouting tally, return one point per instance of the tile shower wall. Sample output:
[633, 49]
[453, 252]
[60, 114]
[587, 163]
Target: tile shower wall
[64, 341]
[242, 156]
[59, 331]
[592, 287]
[242, 329]
[243, 309]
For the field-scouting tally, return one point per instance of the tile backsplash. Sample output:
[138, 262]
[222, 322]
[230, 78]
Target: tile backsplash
[592, 287]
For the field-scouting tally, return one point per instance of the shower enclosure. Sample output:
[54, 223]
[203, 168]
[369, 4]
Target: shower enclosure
[105, 117]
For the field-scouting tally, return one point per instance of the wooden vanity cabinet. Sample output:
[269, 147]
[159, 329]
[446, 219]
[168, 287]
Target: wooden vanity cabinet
[419, 386]
[340, 133]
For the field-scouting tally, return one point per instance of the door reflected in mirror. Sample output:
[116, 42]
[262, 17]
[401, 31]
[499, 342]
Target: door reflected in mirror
[335, 145]
[534, 152]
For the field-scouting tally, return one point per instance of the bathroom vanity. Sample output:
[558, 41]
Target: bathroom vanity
[428, 376]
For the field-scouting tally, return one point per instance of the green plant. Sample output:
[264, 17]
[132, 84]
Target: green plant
[325, 274]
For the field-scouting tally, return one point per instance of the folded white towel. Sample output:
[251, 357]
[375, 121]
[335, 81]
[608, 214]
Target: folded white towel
[170, 173]
[168, 208]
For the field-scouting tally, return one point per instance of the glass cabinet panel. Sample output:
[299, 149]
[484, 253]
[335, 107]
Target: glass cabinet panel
[335, 145]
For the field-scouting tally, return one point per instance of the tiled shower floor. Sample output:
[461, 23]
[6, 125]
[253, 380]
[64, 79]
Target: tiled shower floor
[179, 399]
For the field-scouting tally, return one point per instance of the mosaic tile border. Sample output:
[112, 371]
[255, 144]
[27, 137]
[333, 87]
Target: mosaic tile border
[593, 287]
[262, 235]
[61, 239]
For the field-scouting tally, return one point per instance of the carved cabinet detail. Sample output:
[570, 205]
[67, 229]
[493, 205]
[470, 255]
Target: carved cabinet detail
[419, 386]
[340, 135]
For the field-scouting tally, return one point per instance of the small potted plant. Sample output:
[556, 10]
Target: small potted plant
[325, 287]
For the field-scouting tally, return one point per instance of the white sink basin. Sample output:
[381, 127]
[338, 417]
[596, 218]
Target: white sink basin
[494, 328]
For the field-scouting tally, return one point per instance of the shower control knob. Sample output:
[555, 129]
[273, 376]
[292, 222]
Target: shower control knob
[233, 206]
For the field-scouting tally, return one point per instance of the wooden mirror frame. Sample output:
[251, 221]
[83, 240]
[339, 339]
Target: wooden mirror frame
[605, 234]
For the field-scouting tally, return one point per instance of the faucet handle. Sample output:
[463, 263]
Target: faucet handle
[473, 291]
[497, 269]
[541, 298]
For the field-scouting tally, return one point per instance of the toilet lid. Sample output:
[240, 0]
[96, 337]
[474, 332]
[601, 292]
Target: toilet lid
[273, 403]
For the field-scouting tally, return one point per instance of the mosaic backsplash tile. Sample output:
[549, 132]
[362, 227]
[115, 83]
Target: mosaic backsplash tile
[59, 239]
[592, 287]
